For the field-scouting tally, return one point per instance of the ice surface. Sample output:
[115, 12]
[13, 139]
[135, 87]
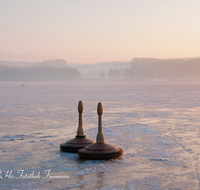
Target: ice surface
[156, 124]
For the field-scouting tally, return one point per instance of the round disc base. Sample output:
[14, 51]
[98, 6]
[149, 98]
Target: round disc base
[100, 151]
[75, 144]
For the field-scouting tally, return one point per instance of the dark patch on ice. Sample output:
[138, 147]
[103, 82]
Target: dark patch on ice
[165, 143]
[198, 176]
[14, 137]
[27, 154]
[37, 133]
[49, 136]
[141, 124]
[54, 145]
[111, 188]
[159, 159]
[188, 149]
[127, 125]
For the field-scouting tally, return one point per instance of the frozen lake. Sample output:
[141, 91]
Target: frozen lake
[156, 123]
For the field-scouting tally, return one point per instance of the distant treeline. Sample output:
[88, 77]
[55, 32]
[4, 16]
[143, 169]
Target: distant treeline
[58, 63]
[38, 73]
[149, 68]
[137, 68]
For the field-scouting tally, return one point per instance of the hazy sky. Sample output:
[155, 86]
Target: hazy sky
[89, 31]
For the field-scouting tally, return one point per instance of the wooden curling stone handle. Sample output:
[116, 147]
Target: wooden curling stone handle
[100, 136]
[99, 109]
[80, 107]
[80, 130]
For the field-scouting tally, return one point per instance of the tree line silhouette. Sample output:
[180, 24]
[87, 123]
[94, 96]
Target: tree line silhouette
[137, 68]
[149, 68]
[37, 73]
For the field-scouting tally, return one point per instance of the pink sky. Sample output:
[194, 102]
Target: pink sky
[94, 31]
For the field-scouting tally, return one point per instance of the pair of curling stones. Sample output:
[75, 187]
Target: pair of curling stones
[86, 148]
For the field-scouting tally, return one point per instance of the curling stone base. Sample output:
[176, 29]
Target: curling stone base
[75, 144]
[100, 152]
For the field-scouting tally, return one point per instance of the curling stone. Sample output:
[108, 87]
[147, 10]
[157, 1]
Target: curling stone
[80, 141]
[100, 149]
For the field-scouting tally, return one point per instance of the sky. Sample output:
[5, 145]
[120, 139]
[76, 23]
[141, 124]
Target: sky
[91, 31]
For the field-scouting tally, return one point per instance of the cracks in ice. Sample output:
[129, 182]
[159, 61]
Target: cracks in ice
[186, 151]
